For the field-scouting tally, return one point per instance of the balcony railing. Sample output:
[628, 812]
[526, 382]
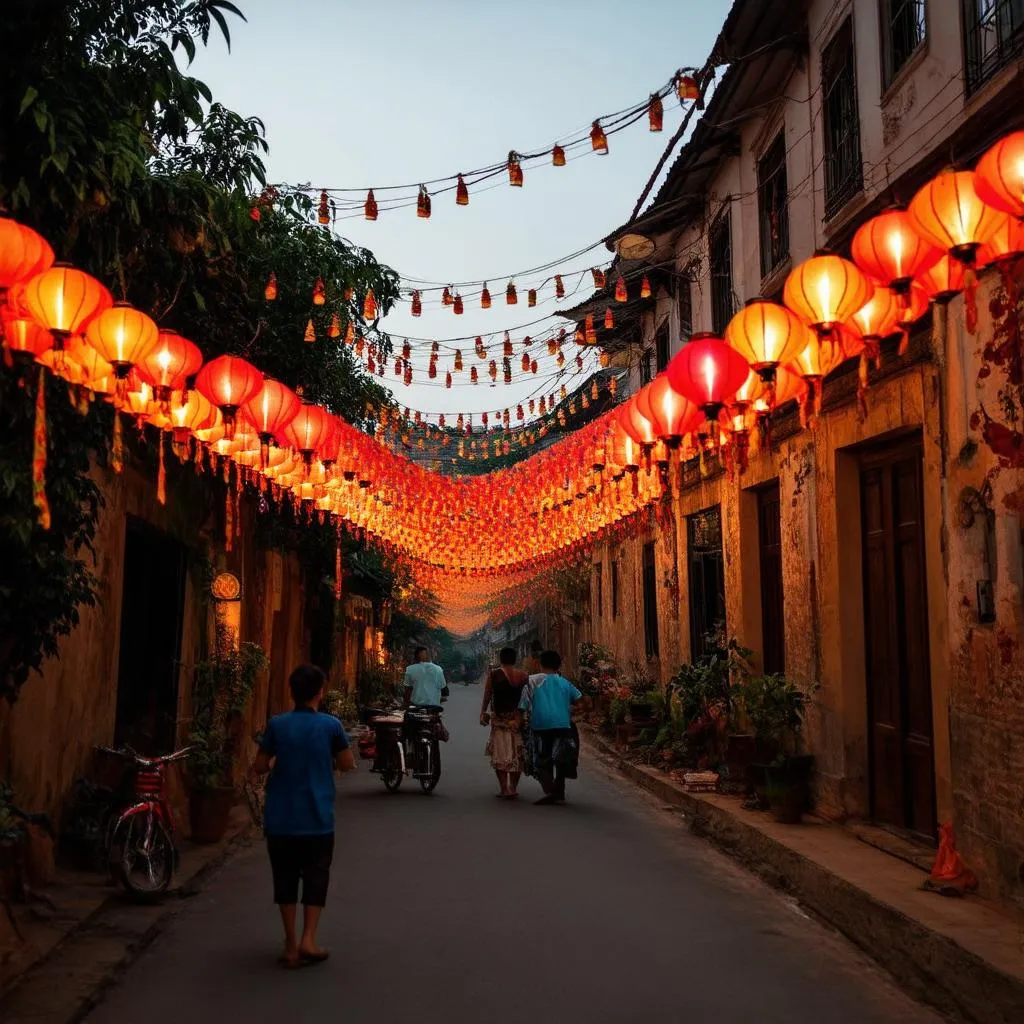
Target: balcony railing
[993, 37]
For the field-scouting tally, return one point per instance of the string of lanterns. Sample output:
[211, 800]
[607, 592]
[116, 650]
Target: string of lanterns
[710, 400]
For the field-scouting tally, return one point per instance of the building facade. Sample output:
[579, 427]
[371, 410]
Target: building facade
[876, 558]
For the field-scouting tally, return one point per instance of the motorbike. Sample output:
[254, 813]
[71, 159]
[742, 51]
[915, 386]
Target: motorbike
[140, 848]
[407, 744]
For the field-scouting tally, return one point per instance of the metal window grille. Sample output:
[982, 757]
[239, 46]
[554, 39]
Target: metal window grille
[843, 170]
[650, 601]
[773, 206]
[661, 348]
[707, 577]
[720, 260]
[903, 31]
[993, 37]
[685, 309]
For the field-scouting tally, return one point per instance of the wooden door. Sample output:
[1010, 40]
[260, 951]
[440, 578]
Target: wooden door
[769, 527]
[902, 769]
[707, 578]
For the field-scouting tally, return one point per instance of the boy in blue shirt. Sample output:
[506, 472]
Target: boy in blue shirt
[548, 699]
[302, 749]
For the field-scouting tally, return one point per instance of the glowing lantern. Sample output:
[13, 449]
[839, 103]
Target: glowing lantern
[559, 287]
[310, 334]
[423, 203]
[308, 431]
[319, 292]
[24, 337]
[485, 297]
[94, 367]
[879, 316]
[515, 170]
[825, 291]
[686, 88]
[889, 248]
[999, 176]
[169, 364]
[64, 299]
[458, 360]
[370, 306]
[417, 304]
[558, 156]
[655, 113]
[673, 415]
[609, 319]
[271, 409]
[949, 213]
[461, 193]
[227, 382]
[621, 295]
[598, 139]
[123, 336]
[599, 278]
[194, 413]
[943, 281]
[637, 424]
[1005, 244]
[270, 291]
[708, 372]
[370, 208]
[510, 294]
[334, 331]
[23, 253]
[766, 335]
[645, 288]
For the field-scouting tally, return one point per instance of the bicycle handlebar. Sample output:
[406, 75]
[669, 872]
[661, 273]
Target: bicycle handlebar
[128, 754]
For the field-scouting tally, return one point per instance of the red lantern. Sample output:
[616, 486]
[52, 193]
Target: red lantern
[949, 213]
[599, 278]
[673, 415]
[227, 383]
[309, 431]
[417, 304]
[485, 297]
[686, 88]
[558, 156]
[510, 295]
[708, 372]
[559, 287]
[889, 248]
[370, 208]
[1005, 244]
[319, 292]
[621, 295]
[271, 409]
[370, 306]
[655, 113]
[123, 336]
[637, 425]
[64, 299]
[423, 203]
[531, 298]
[457, 306]
[23, 253]
[825, 291]
[515, 170]
[169, 364]
[461, 193]
[1000, 175]
[598, 139]
[609, 319]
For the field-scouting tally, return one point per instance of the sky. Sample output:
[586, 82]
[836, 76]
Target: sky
[392, 92]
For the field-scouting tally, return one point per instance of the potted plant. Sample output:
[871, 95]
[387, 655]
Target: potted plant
[775, 708]
[222, 689]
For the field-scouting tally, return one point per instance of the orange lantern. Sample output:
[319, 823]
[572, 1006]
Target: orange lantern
[461, 193]
[310, 334]
[655, 113]
[889, 248]
[949, 213]
[638, 425]
[999, 176]
[766, 335]
[228, 382]
[485, 297]
[1005, 244]
[557, 156]
[621, 295]
[123, 336]
[826, 290]
[598, 139]
[23, 253]
[879, 316]
[609, 319]
[308, 431]
[686, 88]
[515, 170]
[270, 291]
[63, 299]
[169, 364]
[943, 281]
[24, 337]
[599, 278]
[370, 306]
[271, 409]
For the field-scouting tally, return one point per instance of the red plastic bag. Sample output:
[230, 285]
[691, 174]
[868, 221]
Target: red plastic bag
[950, 875]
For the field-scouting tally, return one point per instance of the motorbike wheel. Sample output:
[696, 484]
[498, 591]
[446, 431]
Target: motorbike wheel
[392, 773]
[142, 855]
[428, 782]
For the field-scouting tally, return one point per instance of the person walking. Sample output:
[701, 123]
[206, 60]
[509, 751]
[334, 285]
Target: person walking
[301, 750]
[547, 704]
[502, 693]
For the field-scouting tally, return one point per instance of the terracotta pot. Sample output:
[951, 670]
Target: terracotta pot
[208, 813]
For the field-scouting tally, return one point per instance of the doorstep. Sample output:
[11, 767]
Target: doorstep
[965, 956]
[82, 930]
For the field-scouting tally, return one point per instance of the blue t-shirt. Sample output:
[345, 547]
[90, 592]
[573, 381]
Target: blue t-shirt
[548, 699]
[427, 682]
[300, 791]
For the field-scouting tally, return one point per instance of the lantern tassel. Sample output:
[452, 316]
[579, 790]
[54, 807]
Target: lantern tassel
[117, 450]
[904, 341]
[229, 521]
[971, 299]
[161, 473]
[39, 498]
[337, 571]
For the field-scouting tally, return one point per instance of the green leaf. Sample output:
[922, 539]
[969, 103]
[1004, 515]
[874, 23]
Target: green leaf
[28, 99]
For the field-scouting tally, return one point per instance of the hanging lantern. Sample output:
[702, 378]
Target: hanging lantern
[515, 170]
[589, 331]
[531, 298]
[474, 377]
[558, 156]
[446, 296]
[63, 299]
[350, 333]
[559, 287]
[169, 364]
[310, 334]
[461, 193]
[24, 253]
[308, 431]
[621, 295]
[605, 360]
[492, 370]
[370, 306]
[999, 176]
[25, 338]
[319, 292]
[708, 372]
[270, 291]
[686, 87]
[766, 335]
[123, 336]
[533, 366]
[655, 113]
[598, 139]
[599, 277]
[485, 297]
[510, 295]
[949, 213]
[889, 249]
[825, 291]
[417, 304]
[271, 409]
[943, 281]
[526, 362]
[507, 345]
[1006, 244]
[191, 414]
[457, 306]
[423, 203]
[458, 360]
[609, 319]
[645, 288]
[227, 382]
[447, 382]
[638, 425]
[334, 331]
[878, 317]
[821, 356]
[370, 208]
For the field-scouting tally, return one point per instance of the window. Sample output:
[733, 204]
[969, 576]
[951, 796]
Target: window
[661, 348]
[993, 36]
[707, 577]
[903, 29]
[685, 309]
[599, 587]
[773, 205]
[646, 366]
[650, 601]
[843, 172]
[720, 258]
[615, 588]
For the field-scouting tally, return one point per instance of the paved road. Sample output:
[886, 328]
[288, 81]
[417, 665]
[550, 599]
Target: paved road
[462, 908]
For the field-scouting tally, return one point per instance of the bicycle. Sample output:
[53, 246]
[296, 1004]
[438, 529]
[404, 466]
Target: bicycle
[140, 849]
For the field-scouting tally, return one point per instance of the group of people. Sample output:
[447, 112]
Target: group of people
[529, 711]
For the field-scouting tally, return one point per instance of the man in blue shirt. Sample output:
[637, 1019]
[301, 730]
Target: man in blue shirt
[302, 749]
[424, 681]
[548, 700]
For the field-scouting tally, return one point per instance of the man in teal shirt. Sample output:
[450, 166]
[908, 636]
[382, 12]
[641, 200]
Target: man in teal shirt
[424, 681]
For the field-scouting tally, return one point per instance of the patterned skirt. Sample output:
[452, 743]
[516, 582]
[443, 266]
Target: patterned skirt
[505, 746]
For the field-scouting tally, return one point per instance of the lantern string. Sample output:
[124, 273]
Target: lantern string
[39, 442]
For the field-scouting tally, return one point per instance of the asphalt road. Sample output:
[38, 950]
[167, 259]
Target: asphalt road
[458, 907]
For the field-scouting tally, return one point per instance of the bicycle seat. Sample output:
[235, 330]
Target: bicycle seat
[386, 720]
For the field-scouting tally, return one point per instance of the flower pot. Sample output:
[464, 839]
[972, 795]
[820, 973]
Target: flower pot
[788, 787]
[208, 813]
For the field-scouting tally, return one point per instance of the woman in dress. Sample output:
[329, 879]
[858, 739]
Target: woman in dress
[501, 700]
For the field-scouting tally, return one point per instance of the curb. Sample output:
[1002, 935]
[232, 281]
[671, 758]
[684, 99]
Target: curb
[139, 926]
[931, 967]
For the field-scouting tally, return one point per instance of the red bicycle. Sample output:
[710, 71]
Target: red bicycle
[140, 839]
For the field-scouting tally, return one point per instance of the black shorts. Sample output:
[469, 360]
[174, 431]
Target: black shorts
[305, 858]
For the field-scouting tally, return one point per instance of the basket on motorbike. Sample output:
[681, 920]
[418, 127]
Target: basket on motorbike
[387, 729]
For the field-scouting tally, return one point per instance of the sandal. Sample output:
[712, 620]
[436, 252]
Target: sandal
[314, 958]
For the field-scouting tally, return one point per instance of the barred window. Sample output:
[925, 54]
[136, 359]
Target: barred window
[993, 37]
[773, 205]
[720, 259]
[903, 31]
[843, 170]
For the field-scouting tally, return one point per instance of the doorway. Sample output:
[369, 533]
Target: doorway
[707, 578]
[769, 535]
[152, 607]
[901, 749]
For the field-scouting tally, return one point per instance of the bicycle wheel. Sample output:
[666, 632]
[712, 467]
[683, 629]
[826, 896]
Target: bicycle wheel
[428, 782]
[392, 773]
[144, 854]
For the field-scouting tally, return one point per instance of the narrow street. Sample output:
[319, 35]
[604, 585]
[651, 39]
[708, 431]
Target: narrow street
[460, 907]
